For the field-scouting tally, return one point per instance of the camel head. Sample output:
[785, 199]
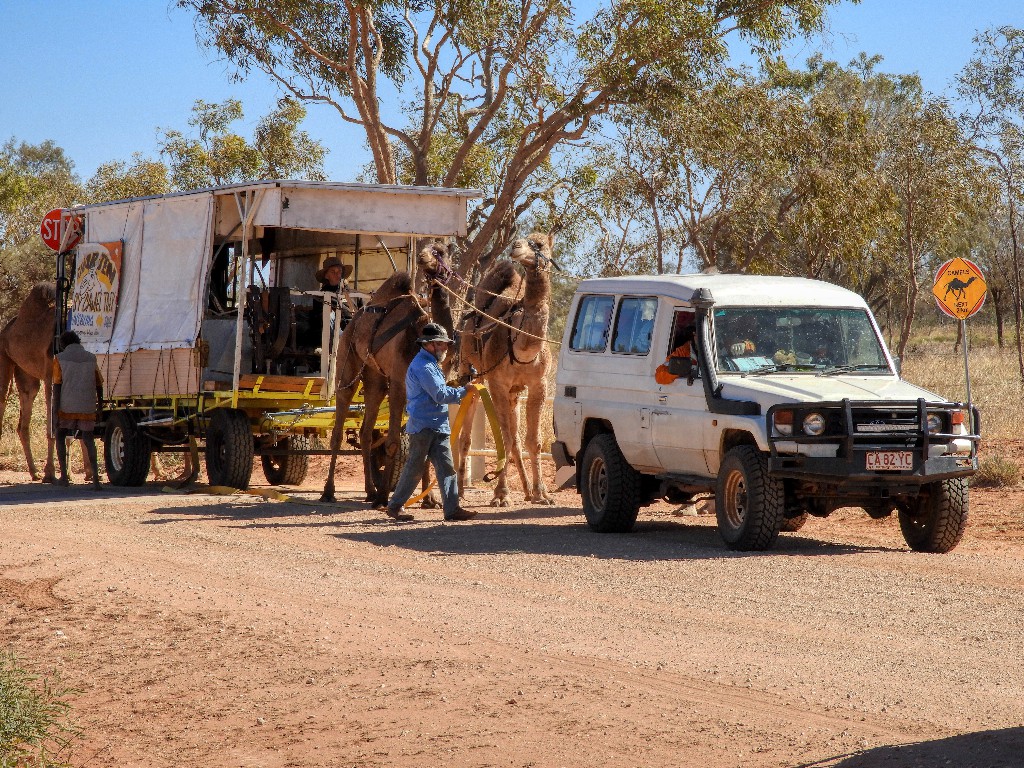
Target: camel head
[43, 296]
[433, 260]
[533, 251]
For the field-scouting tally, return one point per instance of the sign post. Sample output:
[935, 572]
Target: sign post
[960, 292]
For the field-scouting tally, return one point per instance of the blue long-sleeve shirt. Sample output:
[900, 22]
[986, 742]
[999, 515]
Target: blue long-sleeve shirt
[428, 395]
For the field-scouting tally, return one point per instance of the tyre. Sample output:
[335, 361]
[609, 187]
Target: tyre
[794, 524]
[611, 488]
[126, 450]
[288, 469]
[229, 448]
[749, 503]
[936, 519]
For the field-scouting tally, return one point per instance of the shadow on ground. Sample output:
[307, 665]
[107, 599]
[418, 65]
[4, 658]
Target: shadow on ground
[984, 749]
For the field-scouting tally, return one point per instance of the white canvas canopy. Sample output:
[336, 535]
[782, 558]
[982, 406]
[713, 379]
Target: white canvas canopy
[166, 248]
[169, 241]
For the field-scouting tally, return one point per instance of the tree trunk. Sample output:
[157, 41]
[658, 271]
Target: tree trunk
[997, 297]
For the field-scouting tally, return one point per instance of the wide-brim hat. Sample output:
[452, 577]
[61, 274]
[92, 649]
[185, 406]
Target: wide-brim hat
[434, 332]
[333, 261]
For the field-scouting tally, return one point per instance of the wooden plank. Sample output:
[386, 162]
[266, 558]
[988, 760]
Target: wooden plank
[267, 383]
[147, 372]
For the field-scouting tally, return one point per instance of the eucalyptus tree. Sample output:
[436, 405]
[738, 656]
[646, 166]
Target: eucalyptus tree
[506, 83]
[211, 154]
[992, 87]
[34, 178]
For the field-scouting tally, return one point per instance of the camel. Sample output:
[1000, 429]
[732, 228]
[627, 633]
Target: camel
[376, 348]
[511, 360]
[26, 358]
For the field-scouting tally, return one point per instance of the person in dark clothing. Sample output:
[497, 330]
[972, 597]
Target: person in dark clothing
[428, 429]
[332, 276]
[77, 394]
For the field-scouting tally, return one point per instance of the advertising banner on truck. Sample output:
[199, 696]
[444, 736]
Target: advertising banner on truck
[94, 291]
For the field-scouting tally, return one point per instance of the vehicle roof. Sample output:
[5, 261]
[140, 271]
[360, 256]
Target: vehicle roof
[731, 290]
[399, 189]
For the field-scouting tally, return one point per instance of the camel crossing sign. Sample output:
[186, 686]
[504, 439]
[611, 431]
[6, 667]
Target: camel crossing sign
[959, 288]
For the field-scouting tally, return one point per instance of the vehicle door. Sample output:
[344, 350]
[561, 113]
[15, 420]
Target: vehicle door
[680, 411]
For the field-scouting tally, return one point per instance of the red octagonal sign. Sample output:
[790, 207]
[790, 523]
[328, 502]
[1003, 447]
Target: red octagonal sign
[53, 226]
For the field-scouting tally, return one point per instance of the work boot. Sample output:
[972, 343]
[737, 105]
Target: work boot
[460, 514]
[399, 515]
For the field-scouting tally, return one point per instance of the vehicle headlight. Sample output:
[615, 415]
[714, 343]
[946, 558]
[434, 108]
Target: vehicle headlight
[784, 422]
[814, 424]
[934, 423]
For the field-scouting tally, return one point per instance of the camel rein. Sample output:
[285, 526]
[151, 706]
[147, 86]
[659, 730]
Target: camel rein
[496, 320]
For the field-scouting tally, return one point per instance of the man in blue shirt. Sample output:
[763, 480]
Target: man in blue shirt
[427, 402]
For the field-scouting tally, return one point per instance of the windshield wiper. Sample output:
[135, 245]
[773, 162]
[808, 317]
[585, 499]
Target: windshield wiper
[838, 369]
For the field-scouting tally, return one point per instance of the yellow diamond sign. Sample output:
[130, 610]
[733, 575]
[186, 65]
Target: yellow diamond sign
[959, 288]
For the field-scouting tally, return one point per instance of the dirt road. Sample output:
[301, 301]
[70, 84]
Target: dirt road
[219, 631]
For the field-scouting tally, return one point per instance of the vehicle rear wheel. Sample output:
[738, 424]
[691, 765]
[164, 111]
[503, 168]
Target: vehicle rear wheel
[229, 448]
[749, 502]
[126, 450]
[611, 487]
[936, 519]
[287, 469]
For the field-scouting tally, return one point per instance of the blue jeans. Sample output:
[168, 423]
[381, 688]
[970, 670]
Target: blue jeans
[423, 445]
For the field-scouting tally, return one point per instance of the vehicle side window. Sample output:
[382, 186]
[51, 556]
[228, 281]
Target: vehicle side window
[593, 321]
[635, 325]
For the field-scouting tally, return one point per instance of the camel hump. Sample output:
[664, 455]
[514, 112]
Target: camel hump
[499, 277]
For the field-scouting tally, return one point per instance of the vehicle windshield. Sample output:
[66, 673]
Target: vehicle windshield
[818, 340]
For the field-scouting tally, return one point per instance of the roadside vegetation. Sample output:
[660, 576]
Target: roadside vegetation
[36, 726]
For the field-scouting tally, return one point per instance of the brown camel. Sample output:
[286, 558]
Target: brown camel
[376, 348]
[26, 358]
[512, 359]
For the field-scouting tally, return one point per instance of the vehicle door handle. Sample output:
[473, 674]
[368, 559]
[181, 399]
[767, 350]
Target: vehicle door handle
[662, 399]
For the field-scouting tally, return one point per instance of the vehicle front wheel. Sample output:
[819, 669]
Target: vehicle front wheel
[611, 487]
[288, 469]
[749, 503]
[126, 450]
[936, 519]
[229, 448]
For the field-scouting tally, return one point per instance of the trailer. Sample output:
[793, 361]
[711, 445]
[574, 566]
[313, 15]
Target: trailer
[210, 329]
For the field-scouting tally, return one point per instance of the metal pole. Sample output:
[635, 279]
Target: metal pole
[246, 202]
[967, 375]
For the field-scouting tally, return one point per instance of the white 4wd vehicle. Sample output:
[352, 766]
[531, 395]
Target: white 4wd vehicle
[786, 403]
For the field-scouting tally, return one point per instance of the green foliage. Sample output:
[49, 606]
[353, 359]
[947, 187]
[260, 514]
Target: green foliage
[34, 179]
[213, 156]
[118, 180]
[35, 724]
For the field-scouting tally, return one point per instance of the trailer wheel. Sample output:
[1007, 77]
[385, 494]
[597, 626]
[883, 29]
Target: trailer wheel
[126, 450]
[611, 487]
[936, 519]
[749, 502]
[229, 448]
[289, 469]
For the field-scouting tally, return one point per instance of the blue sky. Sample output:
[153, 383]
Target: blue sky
[100, 77]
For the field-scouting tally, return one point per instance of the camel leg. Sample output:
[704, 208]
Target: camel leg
[7, 376]
[465, 441]
[517, 455]
[396, 406]
[343, 398]
[28, 388]
[503, 410]
[538, 393]
[374, 389]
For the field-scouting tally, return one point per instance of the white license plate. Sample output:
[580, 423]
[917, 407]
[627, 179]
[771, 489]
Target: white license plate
[890, 460]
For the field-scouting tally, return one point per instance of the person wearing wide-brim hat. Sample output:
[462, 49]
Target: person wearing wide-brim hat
[427, 399]
[332, 274]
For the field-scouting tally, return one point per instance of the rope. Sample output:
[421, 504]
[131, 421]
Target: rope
[499, 322]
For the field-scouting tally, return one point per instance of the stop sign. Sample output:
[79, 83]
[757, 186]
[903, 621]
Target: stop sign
[52, 230]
